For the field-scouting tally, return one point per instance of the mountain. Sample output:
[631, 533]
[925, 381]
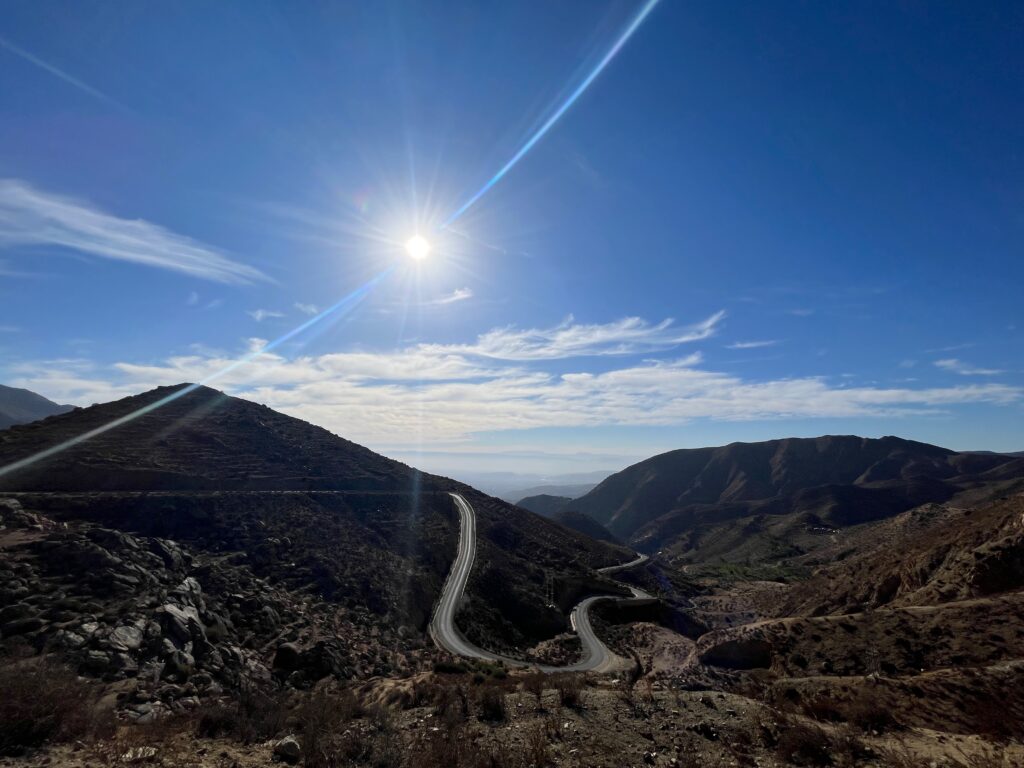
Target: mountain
[554, 508]
[917, 615]
[544, 504]
[20, 406]
[570, 490]
[750, 500]
[258, 530]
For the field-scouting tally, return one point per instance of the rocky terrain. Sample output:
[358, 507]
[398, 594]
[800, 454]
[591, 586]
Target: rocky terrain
[239, 588]
[20, 406]
[214, 542]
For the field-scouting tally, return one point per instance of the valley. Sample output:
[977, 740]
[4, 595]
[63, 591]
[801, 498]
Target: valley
[229, 552]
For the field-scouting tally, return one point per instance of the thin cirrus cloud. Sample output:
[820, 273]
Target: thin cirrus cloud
[259, 315]
[630, 335]
[965, 369]
[459, 294]
[752, 344]
[32, 217]
[307, 309]
[440, 394]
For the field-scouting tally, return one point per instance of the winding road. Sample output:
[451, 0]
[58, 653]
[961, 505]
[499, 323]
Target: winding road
[596, 655]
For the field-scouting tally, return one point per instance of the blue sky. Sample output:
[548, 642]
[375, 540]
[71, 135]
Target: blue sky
[758, 220]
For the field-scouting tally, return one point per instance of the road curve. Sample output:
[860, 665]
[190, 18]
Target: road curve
[596, 655]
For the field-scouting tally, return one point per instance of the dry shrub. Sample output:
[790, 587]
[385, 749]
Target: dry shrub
[43, 701]
[822, 709]
[534, 685]
[491, 705]
[864, 711]
[536, 747]
[447, 748]
[252, 716]
[453, 749]
[322, 718]
[451, 705]
[999, 718]
[804, 744]
[570, 690]
[988, 757]
[903, 757]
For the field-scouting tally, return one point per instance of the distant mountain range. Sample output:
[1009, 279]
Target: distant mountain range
[21, 406]
[748, 500]
[567, 490]
[554, 508]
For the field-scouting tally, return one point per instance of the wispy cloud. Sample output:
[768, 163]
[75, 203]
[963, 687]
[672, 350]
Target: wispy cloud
[800, 312]
[965, 369]
[631, 335]
[307, 309]
[192, 299]
[952, 347]
[752, 344]
[459, 294]
[32, 217]
[259, 315]
[437, 394]
[59, 73]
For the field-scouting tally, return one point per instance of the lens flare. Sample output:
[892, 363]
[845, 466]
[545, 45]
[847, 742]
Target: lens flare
[550, 122]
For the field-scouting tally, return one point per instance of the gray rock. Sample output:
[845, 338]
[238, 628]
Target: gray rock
[125, 639]
[179, 664]
[169, 552]
[69, 640]
[88, 628]
[97, 662]
[180, 623]
[189, 593]
[288, 749]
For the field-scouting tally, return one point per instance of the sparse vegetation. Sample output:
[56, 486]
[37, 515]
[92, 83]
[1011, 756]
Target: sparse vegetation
[570, 688]
[43, 701]
[491, 705]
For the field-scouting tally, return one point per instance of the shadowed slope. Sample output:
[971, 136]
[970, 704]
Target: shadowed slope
[831, 481]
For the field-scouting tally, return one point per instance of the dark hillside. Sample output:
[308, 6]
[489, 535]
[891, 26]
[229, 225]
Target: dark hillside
[261, 505]
[21, 406]
[681, 499]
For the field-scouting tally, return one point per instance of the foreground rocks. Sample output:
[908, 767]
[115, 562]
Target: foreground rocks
[166, 627]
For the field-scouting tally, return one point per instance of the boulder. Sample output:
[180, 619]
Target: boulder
[125, 638]
[288, 749]
[179, 665]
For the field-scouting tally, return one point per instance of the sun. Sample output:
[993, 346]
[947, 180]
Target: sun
[417, 247]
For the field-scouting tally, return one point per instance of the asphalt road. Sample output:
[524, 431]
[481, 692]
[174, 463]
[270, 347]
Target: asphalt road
[596, 656]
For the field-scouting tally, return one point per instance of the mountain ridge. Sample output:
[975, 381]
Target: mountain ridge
[830, 480]
[22, 406]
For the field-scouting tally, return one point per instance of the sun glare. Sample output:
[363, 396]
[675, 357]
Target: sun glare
[417, 247]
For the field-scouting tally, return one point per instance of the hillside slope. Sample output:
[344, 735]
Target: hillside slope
[250, 496]
[716, 497]
[554, 508]
[21, 406]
